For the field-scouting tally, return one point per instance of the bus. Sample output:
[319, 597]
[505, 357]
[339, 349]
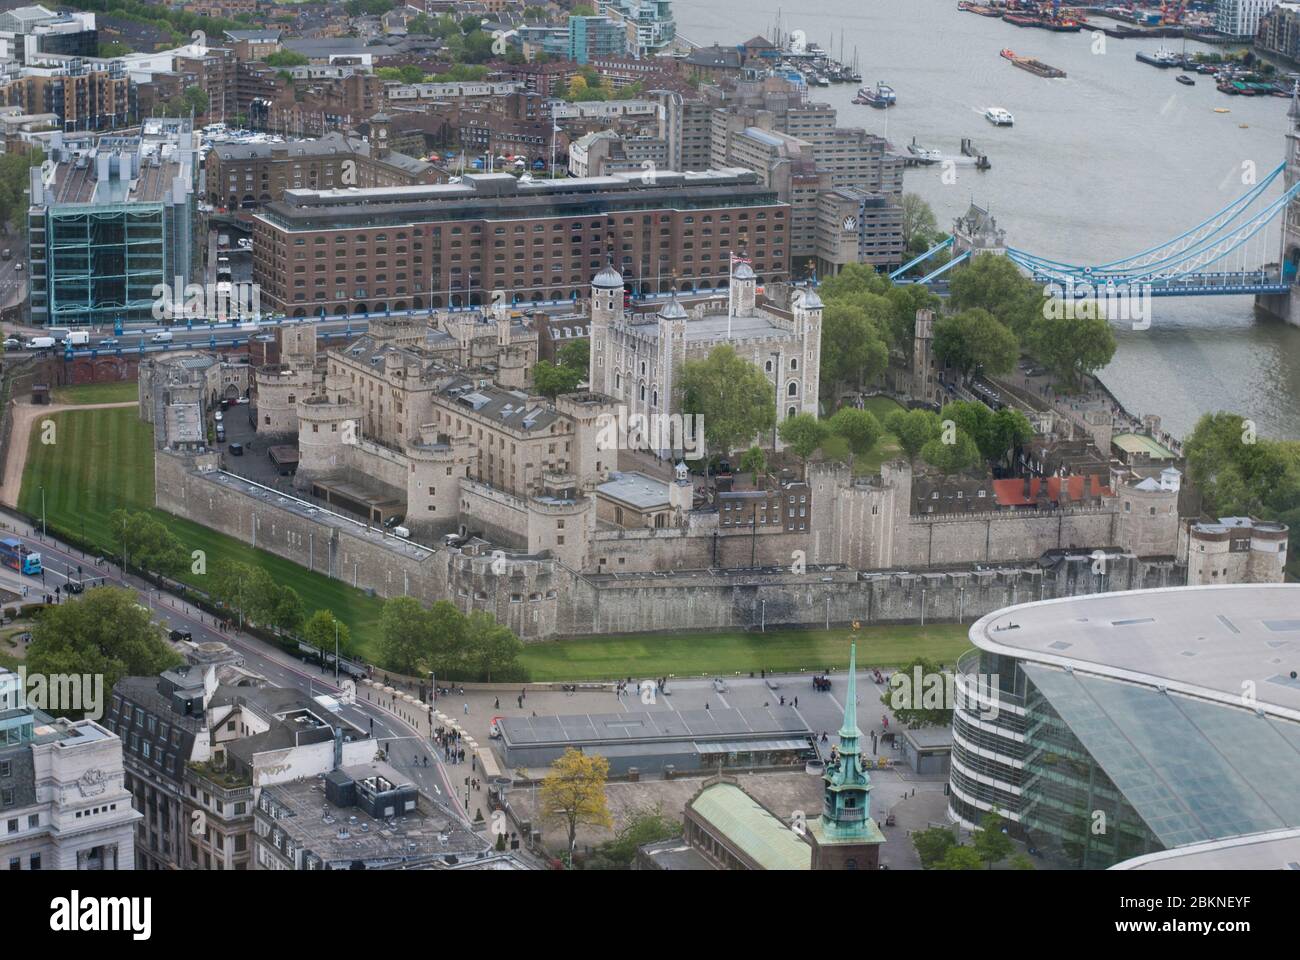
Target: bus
[15, 555]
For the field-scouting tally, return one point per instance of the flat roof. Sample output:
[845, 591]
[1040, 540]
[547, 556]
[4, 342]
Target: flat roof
[1206, 641]
[636, 490]
[1141, 443]
[764, 723]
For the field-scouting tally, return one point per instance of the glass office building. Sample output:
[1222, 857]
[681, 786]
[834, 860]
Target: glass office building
[111, 218]
[1116, 725]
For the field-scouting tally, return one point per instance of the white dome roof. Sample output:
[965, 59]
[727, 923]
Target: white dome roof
[743, 271]
[673, 310]
[811, 301]
[609, 278]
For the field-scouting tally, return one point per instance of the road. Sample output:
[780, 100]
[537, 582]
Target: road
[408, 750]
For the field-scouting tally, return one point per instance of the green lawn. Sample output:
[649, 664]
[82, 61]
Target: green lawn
[886, 447]
[702, 654]
[97, 393]
[103, 459]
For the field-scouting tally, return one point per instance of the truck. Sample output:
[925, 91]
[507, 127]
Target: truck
[164, 337]
[76, 338]
[15, 555]
[40, 343]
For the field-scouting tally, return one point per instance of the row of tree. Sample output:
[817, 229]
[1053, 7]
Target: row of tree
[417, 640]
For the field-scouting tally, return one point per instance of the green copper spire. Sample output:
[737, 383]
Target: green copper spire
[849, 729]
[846, 796]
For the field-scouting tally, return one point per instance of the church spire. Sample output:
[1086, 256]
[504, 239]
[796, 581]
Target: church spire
[849, 730]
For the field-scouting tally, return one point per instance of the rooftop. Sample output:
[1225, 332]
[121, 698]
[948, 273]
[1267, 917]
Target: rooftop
[636, 490]
[751, 827]
[1206, 642]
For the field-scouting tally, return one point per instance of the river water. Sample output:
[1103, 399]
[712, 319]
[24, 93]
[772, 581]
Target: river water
[1113, 159]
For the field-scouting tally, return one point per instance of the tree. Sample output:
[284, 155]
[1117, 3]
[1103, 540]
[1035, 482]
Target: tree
[927, 706]
[1242, 474]
[803, 433]
[995, 284]
[551, 380]
[914, 429]
[753, 461]
[859, 428]
[854, 350]
[583, 10]
[573, 793]
[232, 584]
[989, 842]
[960, 858]
[447, 635]
[974, 340]
[996, 434]
[732, 397]
[106, 632]
[918, 219]
[492, 647]
[320, 633]
[1073, 346]
[932, 845]
[949, 458]
[405, 636]
[288, 58]
[642, 826]
[576, 354]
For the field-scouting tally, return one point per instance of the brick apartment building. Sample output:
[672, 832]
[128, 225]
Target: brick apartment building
[335, 252]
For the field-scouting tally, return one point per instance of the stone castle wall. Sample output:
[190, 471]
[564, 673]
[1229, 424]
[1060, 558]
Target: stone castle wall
[540, 598]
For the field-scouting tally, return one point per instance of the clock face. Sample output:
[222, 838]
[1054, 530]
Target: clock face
[850, 224]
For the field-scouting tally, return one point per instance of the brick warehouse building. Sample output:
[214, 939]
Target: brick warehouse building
[426, 247]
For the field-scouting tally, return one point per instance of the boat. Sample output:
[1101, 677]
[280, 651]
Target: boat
[1162, 58]
[922, 154]
[1185, 80]
[1008, 53]
[1036, 67]
[1222, 110]
[881, 97]
[999, 117]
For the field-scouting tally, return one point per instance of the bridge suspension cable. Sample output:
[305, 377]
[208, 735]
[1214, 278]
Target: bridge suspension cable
[1197, 239]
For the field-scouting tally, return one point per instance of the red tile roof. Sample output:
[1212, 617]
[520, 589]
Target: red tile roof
[1011, 492]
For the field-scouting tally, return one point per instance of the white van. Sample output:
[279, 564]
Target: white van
[40, 343]
[164, 336]
[76, 338]
[402, 532]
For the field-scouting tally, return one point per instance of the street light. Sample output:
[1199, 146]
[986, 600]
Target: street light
[42, 511]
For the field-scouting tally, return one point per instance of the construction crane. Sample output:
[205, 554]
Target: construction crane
[1171, 12]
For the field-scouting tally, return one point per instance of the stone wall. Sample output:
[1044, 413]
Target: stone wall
[541, 597]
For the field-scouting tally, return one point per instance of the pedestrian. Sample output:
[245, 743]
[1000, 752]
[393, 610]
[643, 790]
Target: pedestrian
[473, 763]
[467, 709]
[796, 703]
[706, 704]
[783, 699]
[497, 704]
[521, 701]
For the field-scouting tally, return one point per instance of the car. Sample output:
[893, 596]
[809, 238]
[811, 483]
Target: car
[18, 266]
[72, 586]
[13, 343]
[236, 449]
[178, 635]
[219, 416]
[108, 342]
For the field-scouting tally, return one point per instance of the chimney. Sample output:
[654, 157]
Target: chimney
[338, 747]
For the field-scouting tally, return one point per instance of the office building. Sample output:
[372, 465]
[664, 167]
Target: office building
[1117, 725]
[111, 217]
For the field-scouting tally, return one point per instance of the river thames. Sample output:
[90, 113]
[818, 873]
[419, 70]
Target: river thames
[1107, 162]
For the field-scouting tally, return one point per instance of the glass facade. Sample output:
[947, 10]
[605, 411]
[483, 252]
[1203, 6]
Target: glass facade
[1093, 770]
